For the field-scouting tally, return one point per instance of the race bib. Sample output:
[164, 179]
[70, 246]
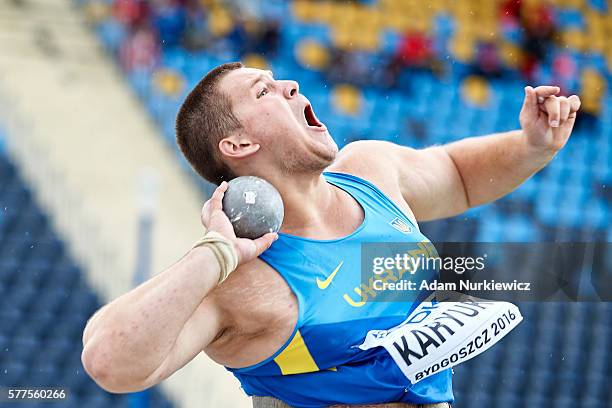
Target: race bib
[440, 335]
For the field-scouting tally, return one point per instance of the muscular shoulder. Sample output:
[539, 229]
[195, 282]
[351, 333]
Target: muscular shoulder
[378, 162]
[373, 160]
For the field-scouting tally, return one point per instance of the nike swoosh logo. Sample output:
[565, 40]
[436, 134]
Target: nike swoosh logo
[323, 284]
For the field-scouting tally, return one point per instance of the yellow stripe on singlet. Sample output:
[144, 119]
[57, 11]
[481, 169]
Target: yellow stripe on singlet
[296, 357]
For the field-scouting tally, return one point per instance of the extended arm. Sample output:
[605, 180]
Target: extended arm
[492, 166]
[442, 181]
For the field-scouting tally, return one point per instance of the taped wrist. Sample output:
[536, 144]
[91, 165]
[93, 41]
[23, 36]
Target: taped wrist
[223, 250]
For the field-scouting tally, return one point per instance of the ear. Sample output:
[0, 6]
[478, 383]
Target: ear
[238, 146]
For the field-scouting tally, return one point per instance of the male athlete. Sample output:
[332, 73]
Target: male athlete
[288, 319]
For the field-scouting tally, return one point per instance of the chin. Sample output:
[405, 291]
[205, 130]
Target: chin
[325, 158]
[333, 152]
[327, 150]
[313, 160]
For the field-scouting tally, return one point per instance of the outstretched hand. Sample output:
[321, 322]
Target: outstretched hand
[546, 119]
[213, 218]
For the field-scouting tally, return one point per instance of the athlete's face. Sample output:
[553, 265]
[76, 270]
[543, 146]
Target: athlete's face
[275, 115]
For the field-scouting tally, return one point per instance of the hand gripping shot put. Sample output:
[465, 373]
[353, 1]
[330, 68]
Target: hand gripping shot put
[273, 290]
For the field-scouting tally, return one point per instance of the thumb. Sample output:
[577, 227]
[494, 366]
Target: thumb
[531, 98]
[530, 104]
[264, 242]
[249, 249]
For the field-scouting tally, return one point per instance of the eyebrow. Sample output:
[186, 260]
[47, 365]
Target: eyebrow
[260, 77]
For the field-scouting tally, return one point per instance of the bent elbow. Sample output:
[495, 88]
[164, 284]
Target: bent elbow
[96, 366]
[99, 366]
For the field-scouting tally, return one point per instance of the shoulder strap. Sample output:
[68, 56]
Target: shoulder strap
[370, 189]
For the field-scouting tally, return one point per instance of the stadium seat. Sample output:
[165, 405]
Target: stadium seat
[44, 304]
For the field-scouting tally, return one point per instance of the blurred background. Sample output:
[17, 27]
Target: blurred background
[95, 197]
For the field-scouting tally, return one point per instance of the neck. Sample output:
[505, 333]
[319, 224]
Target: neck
[307, 200]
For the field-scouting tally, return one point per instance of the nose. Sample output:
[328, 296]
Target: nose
[291, 89]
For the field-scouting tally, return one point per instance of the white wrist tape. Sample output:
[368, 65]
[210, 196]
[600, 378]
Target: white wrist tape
[223, 250]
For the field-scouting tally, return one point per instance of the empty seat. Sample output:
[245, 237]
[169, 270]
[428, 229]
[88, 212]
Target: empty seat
[21, 349]
[12, 373]
[44, 375]
[44, 304]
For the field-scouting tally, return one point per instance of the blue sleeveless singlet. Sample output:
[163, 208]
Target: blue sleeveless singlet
[320, 364]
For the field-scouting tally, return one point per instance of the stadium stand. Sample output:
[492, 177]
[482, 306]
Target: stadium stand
[462, 70]
[446, 106]
[45, 302]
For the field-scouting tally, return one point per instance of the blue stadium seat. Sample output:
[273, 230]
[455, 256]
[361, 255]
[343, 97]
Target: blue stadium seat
[35, 325]
[19, 297]
[478, 399]
[96, 401]
[13, 374]
[82, 300]
[506, 400]
[45, 375]
[10, 318]
[44, 302]
[56, 350]
[20, 350]
[175, 58]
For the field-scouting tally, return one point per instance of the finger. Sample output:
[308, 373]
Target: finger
[552, 109]
[531, 100]
[262, 243]
[564, 109]
[574, 101]
[544, 92]
[216, 201]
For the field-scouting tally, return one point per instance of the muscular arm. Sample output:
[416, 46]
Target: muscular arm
[493, 166]
[442, 181]
[148, 333]
[447, 180]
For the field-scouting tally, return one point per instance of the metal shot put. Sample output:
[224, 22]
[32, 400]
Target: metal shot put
[253, 206]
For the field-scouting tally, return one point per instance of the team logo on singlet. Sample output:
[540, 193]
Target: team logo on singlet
[400, 225]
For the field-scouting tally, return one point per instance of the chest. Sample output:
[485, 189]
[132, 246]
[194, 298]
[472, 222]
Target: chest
[311, 284]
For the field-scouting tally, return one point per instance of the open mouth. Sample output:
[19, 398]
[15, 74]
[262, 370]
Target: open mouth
[311, 118]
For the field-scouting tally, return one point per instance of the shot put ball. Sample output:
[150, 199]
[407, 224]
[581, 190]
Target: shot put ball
[253, 206]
